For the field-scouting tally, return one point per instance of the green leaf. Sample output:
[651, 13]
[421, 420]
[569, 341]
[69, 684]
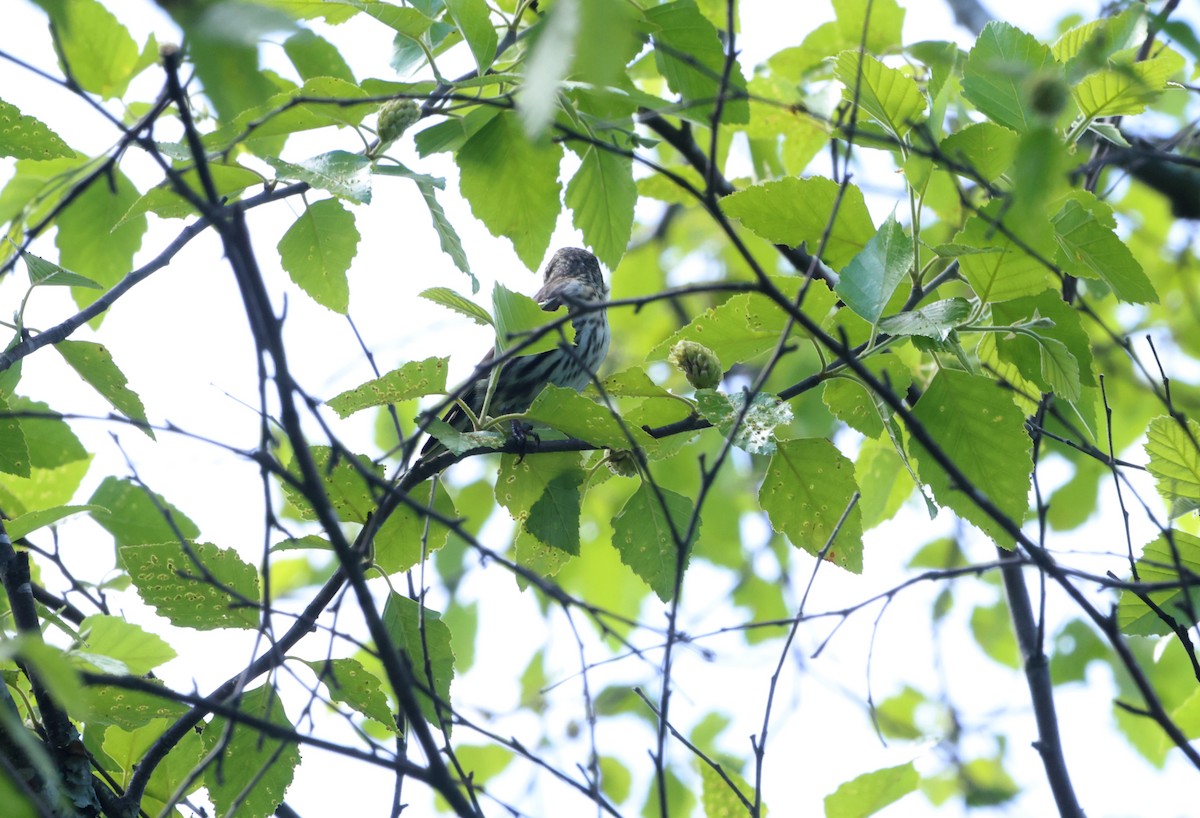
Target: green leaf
[808, 487]
[748, 324]
[512, 185]
[886, 94]
[27, 137]
[352, 684]
[1174, 452]
[344, 483]
[518, 315]
[445, 297]
[94, 239]
[649, 537]
[630, 383]
[51, 441]
[101, 54]
[94, 363]
[854, 404]
[521, 484]
[1095, 41]
[690, 58]
[424, 642]
[601, 196]
[576, 416]
[14, 450]
[251, 770]
[317, 250]
[991, 625]
[23, 524]
[554, 517]
[1089, 249]
[868, 281]
[202, 587]
[718, 797]
[409, 535]
[139, 650]
[1006, 271]
[934, 320]
[1163, 561]
[258, 128]
[982, 147]
[793, 211]
[474, 21]
[44, 273]
[344, 174]
[756, 432]
[997, 70]
[1127, 86]
[870, 792]
[136, 517]
[412, 380]
[1067, 329]
[132, 709]
[460, 442]
[164, 202]
[878, 21]
[974, 421]
[314, 56]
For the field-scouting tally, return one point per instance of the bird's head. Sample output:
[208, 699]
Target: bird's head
[572, 277]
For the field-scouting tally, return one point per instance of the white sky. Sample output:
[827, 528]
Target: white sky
[175, 331]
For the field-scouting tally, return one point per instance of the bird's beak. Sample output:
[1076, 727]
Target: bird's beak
[551, 304]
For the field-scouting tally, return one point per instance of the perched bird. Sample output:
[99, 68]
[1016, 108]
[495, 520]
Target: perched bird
[572, 279]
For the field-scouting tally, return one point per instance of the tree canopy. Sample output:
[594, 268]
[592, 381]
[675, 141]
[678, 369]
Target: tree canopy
[886, 494]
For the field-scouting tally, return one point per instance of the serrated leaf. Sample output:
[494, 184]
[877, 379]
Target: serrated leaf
[521, 484]
[868, 281]
[134, 517]
[512, 185]
[601, 196]
[201, 587]
[717, 794]
[1163, 561]
[99, 50]
[445, 297]
[409, 535]
[984, 147]
[46, 274]
[650, 537]
[1174, 452]
[139, 650]
[630, 383]
[689, 55]
[424, 641]
[131, 709]
[350, 683]
[518, 315]
[27, 137]
[14, 450]
[163, 201]
[886, 94]
[976, 424]
[755, 433]
[855, 405]
[554, 517]
[412, 380]
[94, 363]
[934, 320]
[808, 487]
[996, 71]
[794, 211]
[251, 770]
[344, 174]
[576, 416]
[870, 792]
[1090, 249]
[1006, 271]
[1067, 328]
[1059, 369]
[23, 524]
[1127, 86]
[314, 56]
[317, 250]
[474, 21]
[344, 482]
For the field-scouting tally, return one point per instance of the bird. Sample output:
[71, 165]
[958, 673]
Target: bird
[572, 279]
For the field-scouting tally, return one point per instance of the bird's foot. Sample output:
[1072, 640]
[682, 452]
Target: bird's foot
[522, 433]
